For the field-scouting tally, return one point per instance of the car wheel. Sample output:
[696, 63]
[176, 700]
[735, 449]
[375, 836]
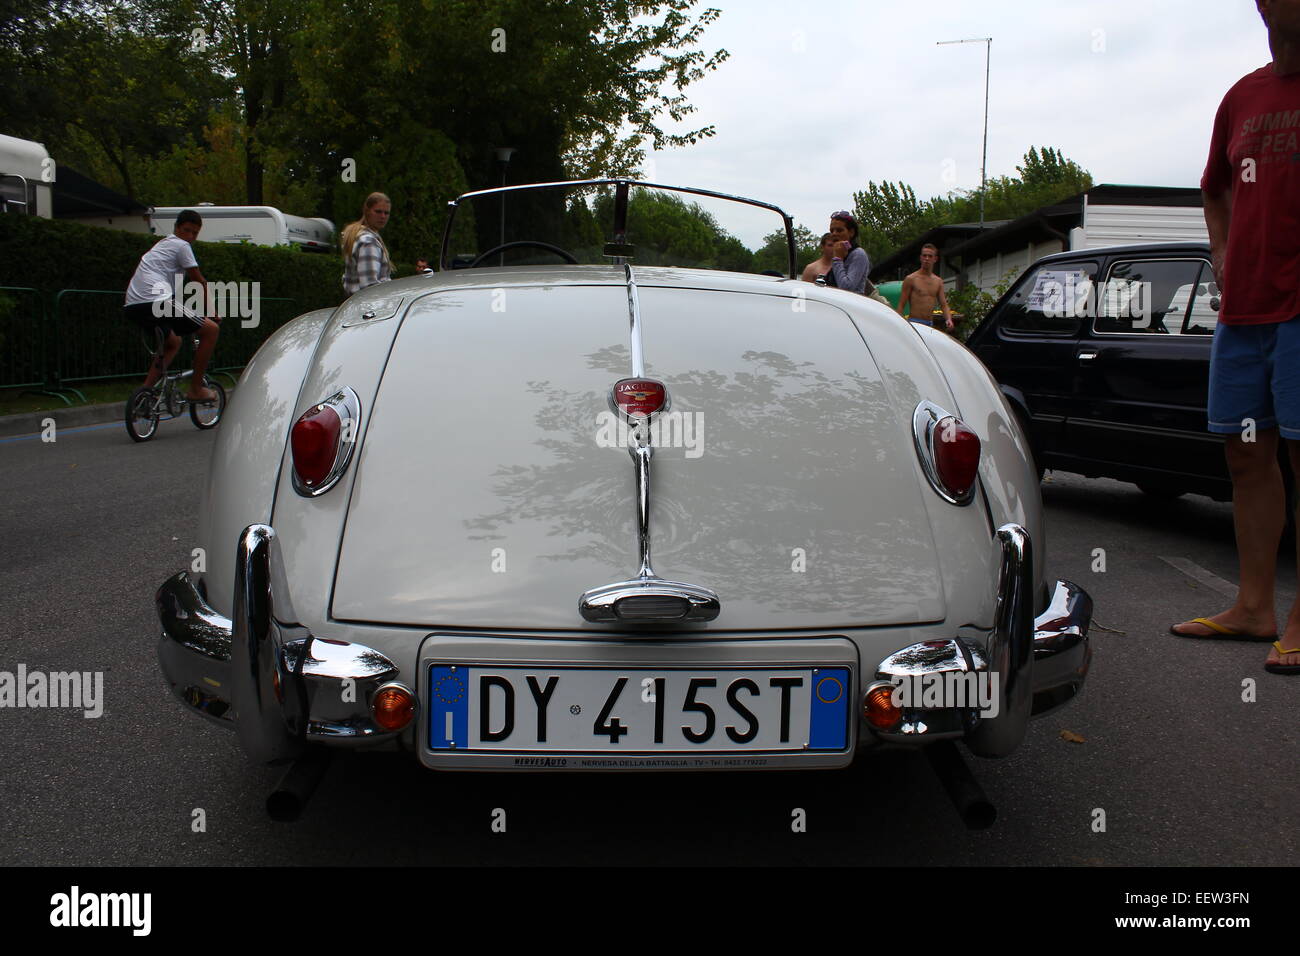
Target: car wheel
[141, 415]
[206, 414]
[1161, 492]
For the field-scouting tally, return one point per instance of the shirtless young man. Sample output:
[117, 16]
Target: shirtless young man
[819, 267]
[922, 289]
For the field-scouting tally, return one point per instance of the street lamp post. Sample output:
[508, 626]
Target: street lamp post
[984, 158]
[503, 155]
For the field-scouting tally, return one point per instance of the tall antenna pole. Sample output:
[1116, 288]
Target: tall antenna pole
[984, 157]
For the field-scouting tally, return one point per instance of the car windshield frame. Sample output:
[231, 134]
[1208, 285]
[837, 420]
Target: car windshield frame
[622, 191]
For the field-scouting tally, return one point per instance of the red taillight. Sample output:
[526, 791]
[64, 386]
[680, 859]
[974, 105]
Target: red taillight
[956, 456]
[315, 444]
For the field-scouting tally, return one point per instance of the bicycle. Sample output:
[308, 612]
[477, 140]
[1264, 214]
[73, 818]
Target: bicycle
[161, 401]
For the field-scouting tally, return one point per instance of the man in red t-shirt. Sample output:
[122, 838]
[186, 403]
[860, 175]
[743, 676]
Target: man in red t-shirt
[1251, 190]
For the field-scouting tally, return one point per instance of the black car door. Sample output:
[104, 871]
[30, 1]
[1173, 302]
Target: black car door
[1029, 343]
[1143, 372]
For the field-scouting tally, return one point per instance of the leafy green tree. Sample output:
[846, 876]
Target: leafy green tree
[104, 85]
[774, 255]
[574, 87]
[668, 229]
[257, 44]
[731, 255]
[422, 171]
[891, 216]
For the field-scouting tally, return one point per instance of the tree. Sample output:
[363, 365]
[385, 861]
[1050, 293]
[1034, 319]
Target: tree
[667, 229]
[774, 255]
[140, 88]
[890, 215]
[422, 170]
[104, 85]
[575, 87]
[253, 43]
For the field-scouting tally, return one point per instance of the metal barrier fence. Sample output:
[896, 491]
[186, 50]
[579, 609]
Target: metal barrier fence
[23, 360]
[92, 341]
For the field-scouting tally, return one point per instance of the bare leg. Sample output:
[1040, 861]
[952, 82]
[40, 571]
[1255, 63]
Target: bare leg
[161, 362]
[1291, 637]
[1257, 514]
[207, 342]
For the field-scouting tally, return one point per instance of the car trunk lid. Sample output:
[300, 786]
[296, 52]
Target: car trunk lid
[492, 491]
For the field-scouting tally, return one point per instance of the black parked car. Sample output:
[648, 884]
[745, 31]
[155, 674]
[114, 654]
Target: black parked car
[1105, 355]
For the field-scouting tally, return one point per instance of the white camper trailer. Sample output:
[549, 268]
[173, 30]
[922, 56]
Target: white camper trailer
[26, 173]
[260, 225]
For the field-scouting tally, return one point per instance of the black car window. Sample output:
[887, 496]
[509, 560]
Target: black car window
[1149, 296]
[1049, 298]
[1204, 317]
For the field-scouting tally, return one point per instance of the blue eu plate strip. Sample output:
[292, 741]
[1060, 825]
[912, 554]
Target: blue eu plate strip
[448, 708]
[828, 724]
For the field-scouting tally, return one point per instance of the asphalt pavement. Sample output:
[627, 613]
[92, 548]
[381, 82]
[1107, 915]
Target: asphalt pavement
[1160, 762]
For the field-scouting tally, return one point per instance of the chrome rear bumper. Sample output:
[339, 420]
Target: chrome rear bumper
[279, 687]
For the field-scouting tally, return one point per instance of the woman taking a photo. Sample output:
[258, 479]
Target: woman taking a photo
[365, 257]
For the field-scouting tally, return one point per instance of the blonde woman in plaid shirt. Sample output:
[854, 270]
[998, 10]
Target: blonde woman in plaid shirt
[365, 256]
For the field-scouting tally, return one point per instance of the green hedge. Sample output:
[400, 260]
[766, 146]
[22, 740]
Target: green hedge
[50, 255]
[93, 341]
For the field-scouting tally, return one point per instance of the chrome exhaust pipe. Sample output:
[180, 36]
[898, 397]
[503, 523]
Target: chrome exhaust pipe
[289, 798]
[973, 805]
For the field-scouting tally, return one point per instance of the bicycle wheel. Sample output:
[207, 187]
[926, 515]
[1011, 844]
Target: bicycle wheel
[206, 414]
[142, 414]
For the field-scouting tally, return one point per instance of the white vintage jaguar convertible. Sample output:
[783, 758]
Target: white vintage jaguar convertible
[627, 510]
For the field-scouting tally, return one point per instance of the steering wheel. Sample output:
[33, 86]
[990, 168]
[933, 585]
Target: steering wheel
[520, 243]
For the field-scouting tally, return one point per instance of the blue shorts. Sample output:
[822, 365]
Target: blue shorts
[928, 323]
[1255, 375]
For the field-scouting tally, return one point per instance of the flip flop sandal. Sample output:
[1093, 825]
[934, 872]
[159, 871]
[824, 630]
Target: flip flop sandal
[1222, 633]
[1275, 668]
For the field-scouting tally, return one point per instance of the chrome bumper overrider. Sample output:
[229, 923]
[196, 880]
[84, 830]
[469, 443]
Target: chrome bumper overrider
[280, 687]
[1041, 662]
[273, 682]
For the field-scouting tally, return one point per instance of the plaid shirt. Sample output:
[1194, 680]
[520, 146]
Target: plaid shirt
[367, 265]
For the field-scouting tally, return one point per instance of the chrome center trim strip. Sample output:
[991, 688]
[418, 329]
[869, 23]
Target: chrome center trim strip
[648, 598]
[634, 320]
[641, 455]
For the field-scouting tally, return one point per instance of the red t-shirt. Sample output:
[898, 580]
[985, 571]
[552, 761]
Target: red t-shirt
[1255, 152]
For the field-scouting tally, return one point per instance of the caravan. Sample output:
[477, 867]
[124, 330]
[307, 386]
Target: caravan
[260, 225]
[26, 174]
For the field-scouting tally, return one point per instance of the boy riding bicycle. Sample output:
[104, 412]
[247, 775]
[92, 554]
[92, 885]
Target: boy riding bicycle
[153, 300]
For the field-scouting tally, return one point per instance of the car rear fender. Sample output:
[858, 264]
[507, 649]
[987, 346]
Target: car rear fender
[240, 485]
[962, 535]
[1007, 472]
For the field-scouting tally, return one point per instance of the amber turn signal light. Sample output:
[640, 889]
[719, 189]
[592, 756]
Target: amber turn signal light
[879, 709]
[393, 707]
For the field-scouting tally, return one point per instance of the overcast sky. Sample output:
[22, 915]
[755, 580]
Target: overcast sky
[817, 99]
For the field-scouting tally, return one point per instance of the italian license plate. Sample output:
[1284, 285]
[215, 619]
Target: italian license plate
[529, 709]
